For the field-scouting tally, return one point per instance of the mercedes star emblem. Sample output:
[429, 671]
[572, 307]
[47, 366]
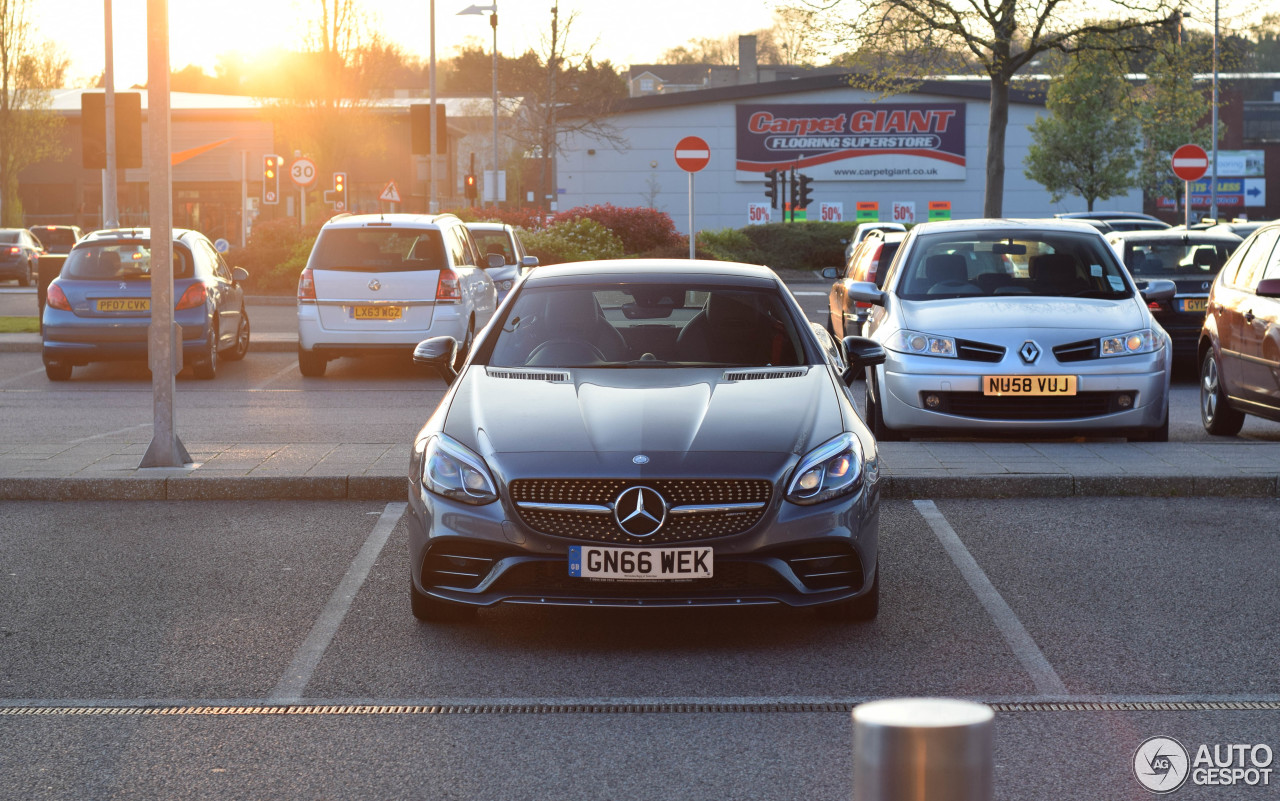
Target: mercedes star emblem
[375, 285]
[640, 511]
[1029, 352]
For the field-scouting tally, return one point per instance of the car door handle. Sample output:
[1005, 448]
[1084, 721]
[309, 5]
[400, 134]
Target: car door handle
[1248, 316]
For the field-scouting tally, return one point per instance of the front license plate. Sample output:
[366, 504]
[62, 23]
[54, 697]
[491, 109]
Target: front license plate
[377, 312]
[1029, 385]
[124, 304]
[663, 564]
[1193, 304]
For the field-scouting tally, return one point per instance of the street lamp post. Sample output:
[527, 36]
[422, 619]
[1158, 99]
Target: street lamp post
[493, 22]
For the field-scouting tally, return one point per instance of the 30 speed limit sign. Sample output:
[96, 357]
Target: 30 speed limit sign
[303, 172]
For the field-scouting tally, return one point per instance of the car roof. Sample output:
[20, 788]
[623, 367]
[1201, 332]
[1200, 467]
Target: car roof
[1106, 215]
[643, 270]
[1005, 223]
[1176, 234]
[115, 234]
[487, 226]
[400, 219]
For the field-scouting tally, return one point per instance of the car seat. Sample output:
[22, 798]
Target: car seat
[575, 315]
[1056, 274]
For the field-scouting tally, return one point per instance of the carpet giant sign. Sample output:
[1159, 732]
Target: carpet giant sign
[853, 141]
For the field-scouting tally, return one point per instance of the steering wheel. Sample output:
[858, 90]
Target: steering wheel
[564, 352]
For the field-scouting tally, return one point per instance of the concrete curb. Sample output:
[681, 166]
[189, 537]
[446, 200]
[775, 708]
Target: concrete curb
[394, 488]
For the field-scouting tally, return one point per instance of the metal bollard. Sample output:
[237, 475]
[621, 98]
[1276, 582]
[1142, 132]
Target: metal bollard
[922, 749]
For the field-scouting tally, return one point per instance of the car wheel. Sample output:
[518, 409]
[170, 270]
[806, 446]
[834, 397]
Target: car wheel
[860, 610]
[1216, 413]
[57, 371]
[25, 278]
[207, 367]
[876, 419]
[434, 610]
[242, 339]
[465, 349]
[311, 364]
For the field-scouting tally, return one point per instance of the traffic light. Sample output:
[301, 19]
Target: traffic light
[771, 188]
[803, 193]
[271, 178]
[470, 186]
[339, 191]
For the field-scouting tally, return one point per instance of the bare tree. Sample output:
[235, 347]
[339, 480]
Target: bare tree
[998, 38]
[575, 96]
[29, 132]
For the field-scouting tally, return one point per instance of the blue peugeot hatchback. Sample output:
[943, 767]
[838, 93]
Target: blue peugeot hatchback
[99, 307]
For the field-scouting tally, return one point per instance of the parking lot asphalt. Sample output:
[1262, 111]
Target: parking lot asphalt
[98, 469]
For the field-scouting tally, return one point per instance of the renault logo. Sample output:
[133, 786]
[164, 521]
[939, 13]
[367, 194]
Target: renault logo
[1029, 352]
[375, 285]
[640, 511]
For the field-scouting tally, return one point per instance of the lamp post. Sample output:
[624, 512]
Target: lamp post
[493, 22]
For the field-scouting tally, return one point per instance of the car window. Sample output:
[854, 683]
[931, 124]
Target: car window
[121, 261]
[495, 242]
[1250, 269]
[1176, 259]
[374, 250]
[646, 325]
[855, 259]
[1013, 262]
[9, 237]
[1271, 268]
[56, 236]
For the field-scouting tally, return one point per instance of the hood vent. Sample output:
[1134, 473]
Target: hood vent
[558, 376]
[761, 374]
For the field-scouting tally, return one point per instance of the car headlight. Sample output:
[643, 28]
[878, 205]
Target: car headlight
[920, 344]
[830, 470]
[1130, 344]
[451, 469]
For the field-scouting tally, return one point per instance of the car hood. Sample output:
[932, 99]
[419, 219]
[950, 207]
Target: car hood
[648, 410]
[956, 315]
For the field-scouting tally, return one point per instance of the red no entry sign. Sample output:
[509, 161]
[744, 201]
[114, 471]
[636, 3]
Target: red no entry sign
[692, 153]
[1190, 162]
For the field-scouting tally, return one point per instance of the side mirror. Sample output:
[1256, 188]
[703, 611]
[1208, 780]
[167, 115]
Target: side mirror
[440, 353]
[496, 260]
[1158, 291]
[528, 261]
[830, 273]
[867, 292]
[239, 275]
[861, 353]
[1268, 288]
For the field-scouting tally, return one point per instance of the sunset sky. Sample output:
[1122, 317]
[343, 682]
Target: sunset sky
[199, 31]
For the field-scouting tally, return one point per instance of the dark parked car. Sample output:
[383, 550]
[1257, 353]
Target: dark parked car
[868, 262]
[615, 439]
[1118, 220]
[99, 307]
[1191, 259]
[57, 238]
[1240, 342]
[20, 254]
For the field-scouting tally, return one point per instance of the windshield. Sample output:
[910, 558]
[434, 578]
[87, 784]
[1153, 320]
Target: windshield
[378, 250]
[128, 261]
[495, 242]
[646, 325]
[1019, 262]
[1176, 259]
[8, 237]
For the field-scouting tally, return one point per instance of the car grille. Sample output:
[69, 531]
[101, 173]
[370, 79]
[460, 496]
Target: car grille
[985, 407]
[978, 351]
[548, 578]
[1077, 351]
[596, 527]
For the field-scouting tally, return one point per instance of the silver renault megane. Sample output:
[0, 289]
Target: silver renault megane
[1016, 326]
[647, 434]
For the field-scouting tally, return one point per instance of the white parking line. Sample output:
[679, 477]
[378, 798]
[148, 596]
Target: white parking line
[290, 367]
[20, 376]
[1043, 675]
[289, 689]
[110, 433]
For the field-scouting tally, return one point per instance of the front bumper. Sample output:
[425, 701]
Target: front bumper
[1125, 394]
[795, 555]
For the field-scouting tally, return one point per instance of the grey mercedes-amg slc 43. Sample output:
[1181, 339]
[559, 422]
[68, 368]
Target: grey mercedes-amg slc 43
[647, 433]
